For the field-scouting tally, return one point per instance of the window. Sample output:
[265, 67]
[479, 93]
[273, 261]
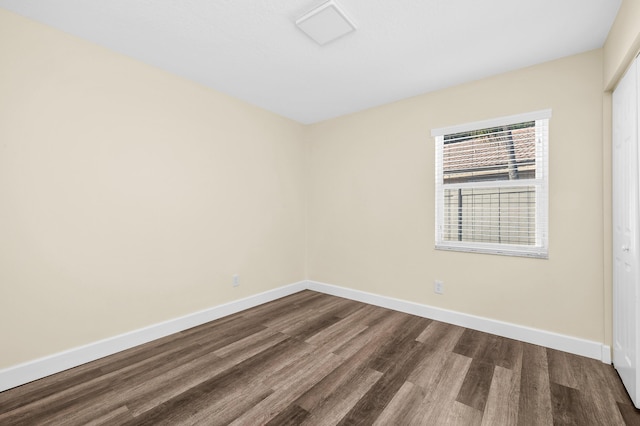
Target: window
[492, 186]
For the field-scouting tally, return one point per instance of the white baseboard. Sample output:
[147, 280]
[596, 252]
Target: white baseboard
[548, 339]
[27, 372]
[606, 354]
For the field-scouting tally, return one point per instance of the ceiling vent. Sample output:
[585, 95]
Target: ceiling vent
[326, 23]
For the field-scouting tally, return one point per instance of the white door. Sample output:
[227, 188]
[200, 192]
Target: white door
[625, 232]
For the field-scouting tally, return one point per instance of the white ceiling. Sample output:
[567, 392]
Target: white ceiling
[251, 49]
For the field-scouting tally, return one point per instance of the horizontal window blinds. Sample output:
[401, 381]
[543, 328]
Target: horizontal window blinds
[492, 186]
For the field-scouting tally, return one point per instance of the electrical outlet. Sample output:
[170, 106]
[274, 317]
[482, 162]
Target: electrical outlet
[235, 281]
[438, 287]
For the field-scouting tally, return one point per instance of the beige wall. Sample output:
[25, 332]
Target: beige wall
[623, 42]
[130, 196]
[371, 202]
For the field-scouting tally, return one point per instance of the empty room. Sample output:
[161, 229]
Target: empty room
[319, 212]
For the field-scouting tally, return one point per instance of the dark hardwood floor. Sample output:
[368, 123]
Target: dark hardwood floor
[316, 359]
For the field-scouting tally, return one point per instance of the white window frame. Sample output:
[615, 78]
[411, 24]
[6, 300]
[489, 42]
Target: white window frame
[540, 182]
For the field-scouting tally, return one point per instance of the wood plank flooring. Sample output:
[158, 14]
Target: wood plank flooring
[314, 359]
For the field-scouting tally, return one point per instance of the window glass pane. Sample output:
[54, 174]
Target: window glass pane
[498, 153]
[490, 215]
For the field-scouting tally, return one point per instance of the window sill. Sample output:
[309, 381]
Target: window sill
[507, 251]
